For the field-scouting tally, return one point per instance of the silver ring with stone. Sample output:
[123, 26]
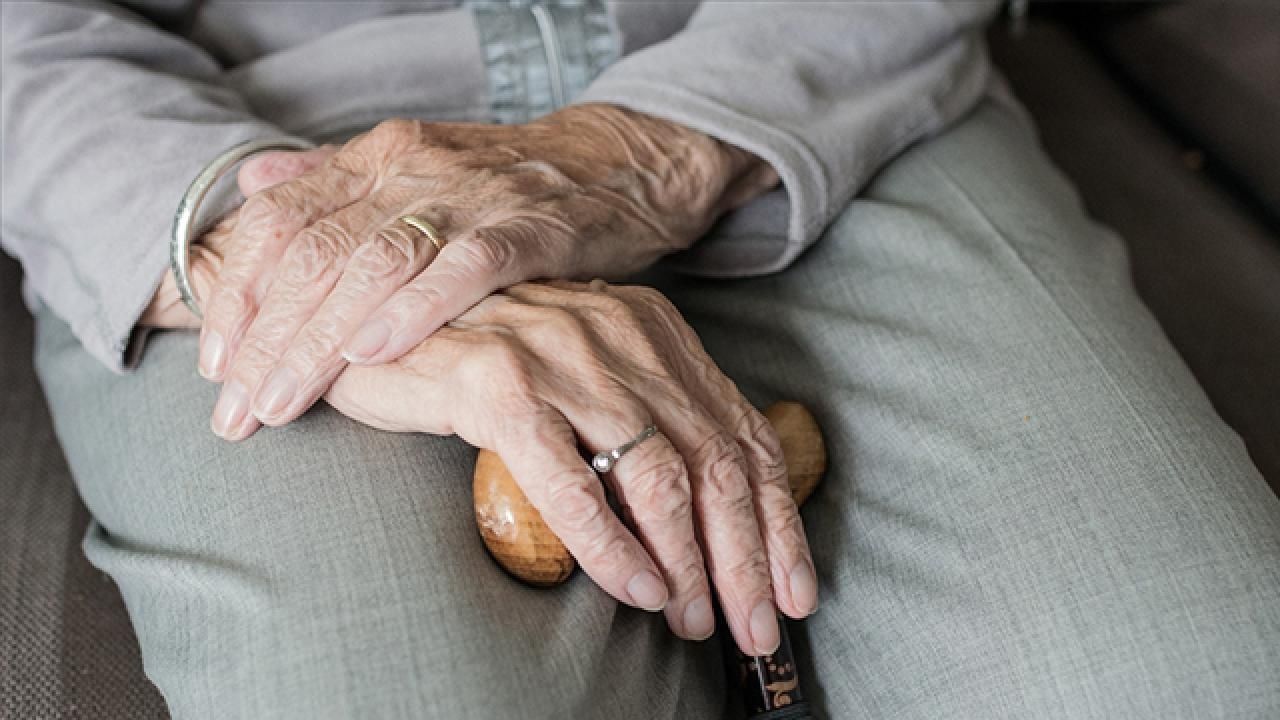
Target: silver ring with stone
[604, 462]
[180, 235]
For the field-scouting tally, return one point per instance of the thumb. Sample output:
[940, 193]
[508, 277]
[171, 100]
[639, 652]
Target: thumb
[272, 168]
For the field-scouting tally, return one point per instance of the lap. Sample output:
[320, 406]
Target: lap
[1032, 510]
[327, 570]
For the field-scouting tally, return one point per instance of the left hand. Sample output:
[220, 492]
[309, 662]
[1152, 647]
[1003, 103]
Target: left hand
[319, 270]
[538, 370]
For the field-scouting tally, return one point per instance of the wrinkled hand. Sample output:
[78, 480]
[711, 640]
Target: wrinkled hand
[538, 370]
[319, 270]
[260, 172]
[535, 371]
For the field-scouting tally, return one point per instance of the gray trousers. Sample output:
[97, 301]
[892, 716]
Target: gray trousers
[1032, 510]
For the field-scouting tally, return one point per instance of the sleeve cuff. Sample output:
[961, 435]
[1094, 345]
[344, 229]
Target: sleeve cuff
[767, 234]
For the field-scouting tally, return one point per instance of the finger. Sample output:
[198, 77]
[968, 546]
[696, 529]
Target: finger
[466, 271]
[307, 273]
[723, 497]
[726, 517]
[652, 485]
[204, 259]
[167, 310]
[268, 223]
[795, 581]
[544, 460]
[272, 168]
[313, 358]
[791, 566]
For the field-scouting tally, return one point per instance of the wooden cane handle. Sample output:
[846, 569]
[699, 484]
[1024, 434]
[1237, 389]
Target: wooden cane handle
[524, 546]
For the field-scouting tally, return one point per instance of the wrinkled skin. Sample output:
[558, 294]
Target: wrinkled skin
[321, 272]
[537, 370]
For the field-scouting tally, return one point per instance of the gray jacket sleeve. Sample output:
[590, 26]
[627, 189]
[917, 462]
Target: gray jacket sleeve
[106, 119]
[825, 92]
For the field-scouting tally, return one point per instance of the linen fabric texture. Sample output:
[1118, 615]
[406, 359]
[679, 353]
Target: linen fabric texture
[1031, 508]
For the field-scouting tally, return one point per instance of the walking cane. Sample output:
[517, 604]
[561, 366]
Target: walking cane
[517, 537]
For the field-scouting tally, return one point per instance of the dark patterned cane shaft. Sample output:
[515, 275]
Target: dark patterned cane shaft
[770, 684]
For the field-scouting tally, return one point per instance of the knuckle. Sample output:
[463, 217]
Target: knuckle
[578, 504]
[619, 313]
[689, 574]
[272, 165]
[739, 501]
[315, 253]
[287, 164]
[417, 297]
[502, 355]
[320, 343]
[205, 267]
[260, 208]
[386, 257]
[397, 130]
[783, 522]
[650, 299]
[662, 491]
[751, 569]
[613, 302]
[724, 470]
[256, 351]
[609, 550]
[757, 431]
[489, 254]
[502, 185]
[532, 185]
[556, 323]
[777, 509]
[650, 295]
[504, 367]
[543, 175]
[267, 213]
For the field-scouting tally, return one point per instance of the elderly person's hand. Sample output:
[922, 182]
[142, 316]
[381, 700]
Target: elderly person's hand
[320, 268]
[166, 309]
[538, 370]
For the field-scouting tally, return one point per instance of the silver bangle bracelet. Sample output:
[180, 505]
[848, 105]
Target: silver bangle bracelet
[184, 219]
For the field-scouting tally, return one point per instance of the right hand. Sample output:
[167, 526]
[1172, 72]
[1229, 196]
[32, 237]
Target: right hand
[538, 370]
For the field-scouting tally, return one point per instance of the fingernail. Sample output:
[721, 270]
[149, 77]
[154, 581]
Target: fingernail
[276, 393]
[647, 591]
[699, 622]
[804, 587]
[213, 355]
[248, 426]
[230, 409]
[764, 628]
[368, 341]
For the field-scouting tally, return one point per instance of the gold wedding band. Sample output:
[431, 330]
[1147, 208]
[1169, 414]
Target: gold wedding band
[419, 223]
